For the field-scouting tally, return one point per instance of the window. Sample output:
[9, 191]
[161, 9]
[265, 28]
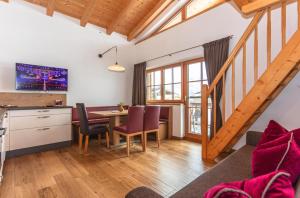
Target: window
[154, 85]
[196, 77]
[198, 6]
[175, 20]
[172, 83]
[165, 84]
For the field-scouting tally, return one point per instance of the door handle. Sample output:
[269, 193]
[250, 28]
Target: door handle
[43, 117]
[43, 111]
[44, 129]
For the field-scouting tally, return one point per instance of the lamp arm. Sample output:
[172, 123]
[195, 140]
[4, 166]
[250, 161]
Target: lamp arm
[101, 55]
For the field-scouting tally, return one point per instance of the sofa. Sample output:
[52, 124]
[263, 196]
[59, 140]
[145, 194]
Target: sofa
[235, 167]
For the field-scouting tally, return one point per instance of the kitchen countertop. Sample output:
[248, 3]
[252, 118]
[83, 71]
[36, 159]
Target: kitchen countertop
[32, 108]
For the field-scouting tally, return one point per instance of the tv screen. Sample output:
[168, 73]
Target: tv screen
[41, 78]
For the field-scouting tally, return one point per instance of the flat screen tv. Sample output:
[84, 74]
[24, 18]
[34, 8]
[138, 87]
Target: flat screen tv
[41, 78]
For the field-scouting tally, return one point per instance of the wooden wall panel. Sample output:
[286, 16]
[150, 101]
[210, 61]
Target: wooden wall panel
[30, 99]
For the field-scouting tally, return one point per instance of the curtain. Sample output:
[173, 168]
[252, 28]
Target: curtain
[215, 55]
[139, 84]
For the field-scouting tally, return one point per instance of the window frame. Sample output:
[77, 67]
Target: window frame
[184, 18]
[162, 88]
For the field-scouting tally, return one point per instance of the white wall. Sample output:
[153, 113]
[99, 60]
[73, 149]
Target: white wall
[28, 35]
[218, 23]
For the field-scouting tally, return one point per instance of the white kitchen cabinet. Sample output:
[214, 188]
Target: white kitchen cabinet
[38, 127]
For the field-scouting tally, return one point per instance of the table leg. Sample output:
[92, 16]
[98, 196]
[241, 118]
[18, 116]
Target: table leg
[116, 137]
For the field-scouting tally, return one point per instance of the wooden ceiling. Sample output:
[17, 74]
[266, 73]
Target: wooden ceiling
[127, 17]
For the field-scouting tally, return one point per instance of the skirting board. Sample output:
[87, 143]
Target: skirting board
[37, 149]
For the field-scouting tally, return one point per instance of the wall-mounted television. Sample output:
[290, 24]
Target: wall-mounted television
[41, 78]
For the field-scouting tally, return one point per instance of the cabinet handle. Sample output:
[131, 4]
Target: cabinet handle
[43, 117]
[44, 129]
[43, 111]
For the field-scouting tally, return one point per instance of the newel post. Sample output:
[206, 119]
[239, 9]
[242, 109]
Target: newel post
[204, 120]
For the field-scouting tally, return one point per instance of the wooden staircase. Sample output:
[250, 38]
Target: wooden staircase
[264, 90]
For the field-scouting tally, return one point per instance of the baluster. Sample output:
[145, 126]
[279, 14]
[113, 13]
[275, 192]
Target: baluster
[233, 85]
[269, 38]
[256, 53]
[244, 69]
[223, 99]
[298, 14]
[215, 110]
[283, 23]
[204, 120]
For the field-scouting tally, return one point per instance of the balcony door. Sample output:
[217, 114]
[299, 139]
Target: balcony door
[195, 73]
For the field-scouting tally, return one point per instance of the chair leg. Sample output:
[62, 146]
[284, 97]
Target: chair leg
[86, 144]
[145, 141]
[128, 145]
[80, 138]
[107, 138]
[157, 139]
[99, 138]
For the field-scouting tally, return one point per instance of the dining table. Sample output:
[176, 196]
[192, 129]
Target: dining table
[115, 120]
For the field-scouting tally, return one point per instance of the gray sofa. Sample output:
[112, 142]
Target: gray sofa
[235, 167]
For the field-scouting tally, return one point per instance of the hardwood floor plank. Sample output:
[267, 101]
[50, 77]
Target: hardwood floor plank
[103, 173]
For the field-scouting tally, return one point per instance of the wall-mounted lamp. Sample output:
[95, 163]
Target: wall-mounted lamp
[115, 67]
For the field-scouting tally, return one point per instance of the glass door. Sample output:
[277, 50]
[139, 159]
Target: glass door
[195, 77]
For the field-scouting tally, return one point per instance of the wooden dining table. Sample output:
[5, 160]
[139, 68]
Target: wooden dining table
[115, 120]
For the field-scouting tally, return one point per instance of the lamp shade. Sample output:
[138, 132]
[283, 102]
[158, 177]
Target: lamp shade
[116, 68]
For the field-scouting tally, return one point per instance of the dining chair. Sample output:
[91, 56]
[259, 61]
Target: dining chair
[133, 126]
[151, 123]
[86, 130]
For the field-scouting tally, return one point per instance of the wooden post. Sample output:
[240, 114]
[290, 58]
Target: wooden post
[215, 111]
[283, 23]
[298, 1]
[223, 99]
[204, 120]
[244, 69]
[233, 86]
[269, 36]
[255, 54]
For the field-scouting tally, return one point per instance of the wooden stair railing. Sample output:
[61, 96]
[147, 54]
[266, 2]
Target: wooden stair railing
[265, 88]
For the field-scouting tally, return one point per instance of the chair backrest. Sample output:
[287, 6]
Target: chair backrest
[151, 118]
[83, 118]
[135, 120]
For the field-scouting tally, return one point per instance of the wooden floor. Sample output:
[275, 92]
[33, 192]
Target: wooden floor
[104, 172]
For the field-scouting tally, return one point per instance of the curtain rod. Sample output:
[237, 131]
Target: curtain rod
[170, 54]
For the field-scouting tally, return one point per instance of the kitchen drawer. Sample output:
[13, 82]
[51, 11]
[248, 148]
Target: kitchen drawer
[39, 136]
[18, 113]
[26, 122]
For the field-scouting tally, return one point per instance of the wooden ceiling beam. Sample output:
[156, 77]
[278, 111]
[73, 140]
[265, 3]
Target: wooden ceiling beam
[50, 7]
[111, 27]
[88, 12]
[240, 3]
[258, 5]
[146, 21]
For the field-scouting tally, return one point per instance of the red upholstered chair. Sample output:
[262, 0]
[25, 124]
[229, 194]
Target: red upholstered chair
[151, 123]
[133, 127]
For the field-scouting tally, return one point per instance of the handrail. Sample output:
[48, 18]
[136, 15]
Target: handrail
[236, 49]
[208, 133]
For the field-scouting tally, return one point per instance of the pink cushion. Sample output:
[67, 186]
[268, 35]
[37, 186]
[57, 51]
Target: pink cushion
[278, 149]
[273, 185]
